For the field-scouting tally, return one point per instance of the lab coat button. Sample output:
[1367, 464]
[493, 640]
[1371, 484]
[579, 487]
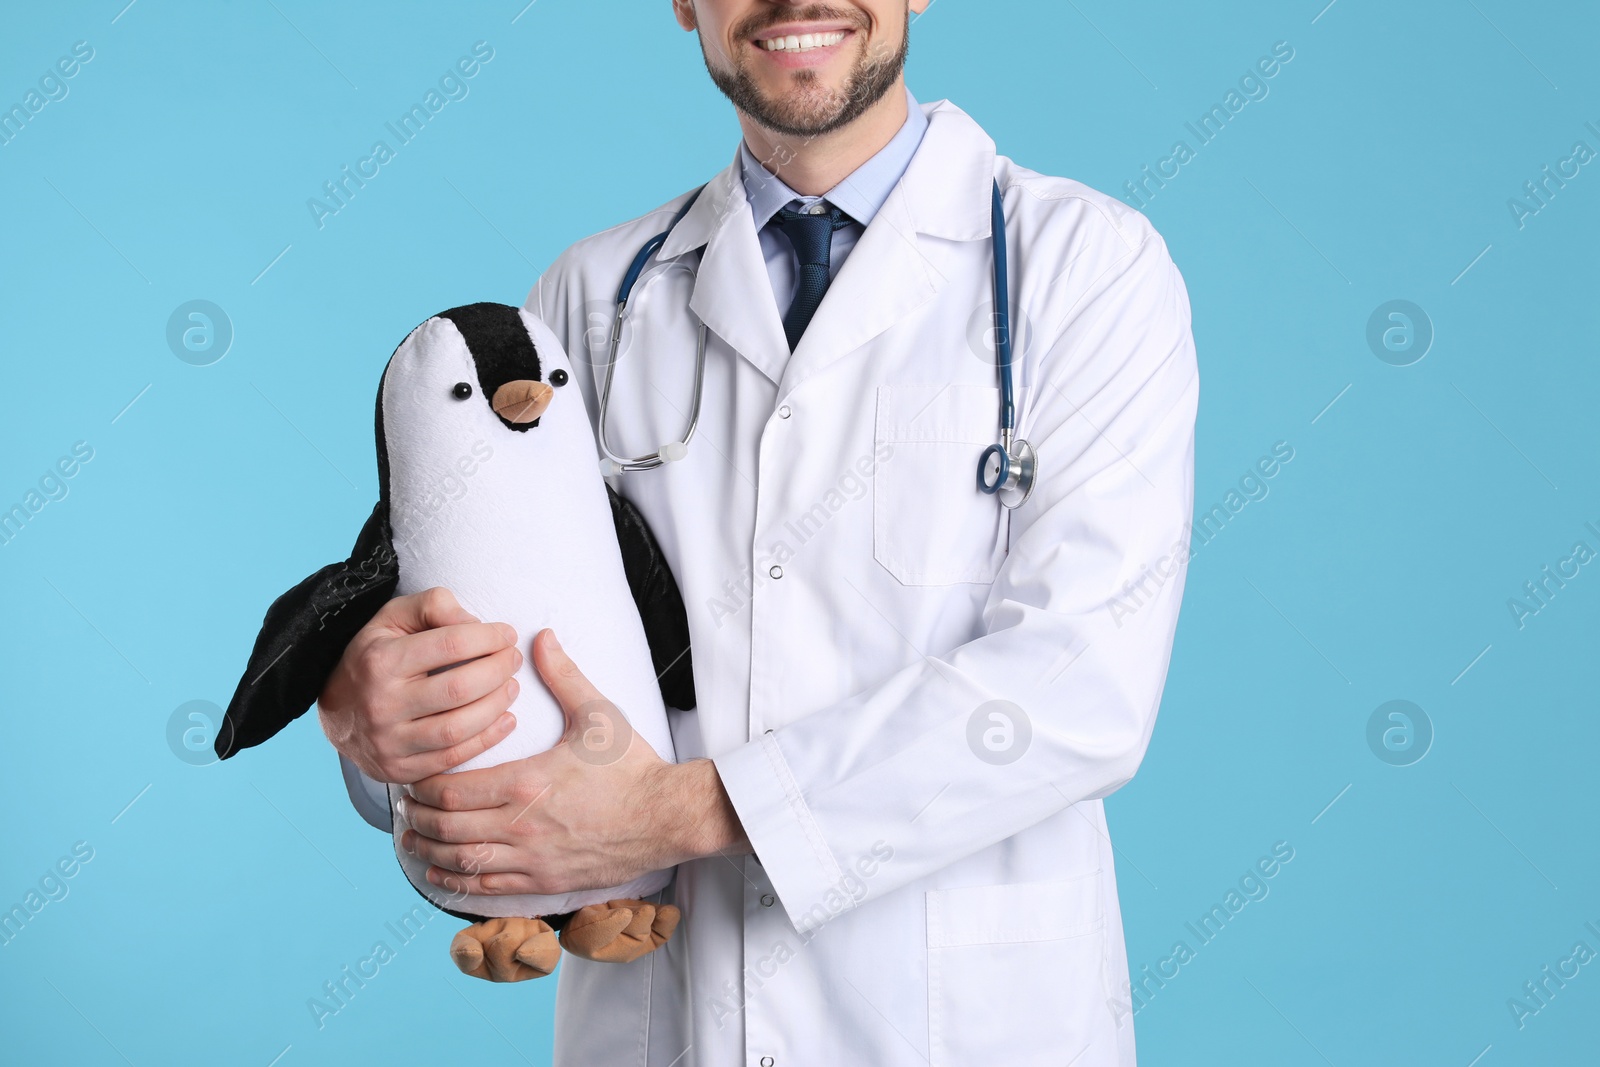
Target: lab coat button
[776, 571]
[784, 412]
[768, 900]
[767, 1061]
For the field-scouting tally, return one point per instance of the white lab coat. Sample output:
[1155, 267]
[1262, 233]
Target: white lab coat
[912, 900]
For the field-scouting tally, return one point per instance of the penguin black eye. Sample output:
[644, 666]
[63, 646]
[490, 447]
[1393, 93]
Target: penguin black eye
[558, 378]
[461, 391]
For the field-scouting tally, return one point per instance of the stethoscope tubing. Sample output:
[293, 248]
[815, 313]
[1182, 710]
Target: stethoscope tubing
[619, 464]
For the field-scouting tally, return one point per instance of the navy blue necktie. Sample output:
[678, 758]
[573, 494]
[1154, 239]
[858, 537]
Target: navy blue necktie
[812, 237]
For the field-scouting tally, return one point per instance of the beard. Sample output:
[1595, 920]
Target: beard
[808, 108]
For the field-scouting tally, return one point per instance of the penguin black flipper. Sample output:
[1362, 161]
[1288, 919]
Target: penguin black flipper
[304, 635]
[655, 591]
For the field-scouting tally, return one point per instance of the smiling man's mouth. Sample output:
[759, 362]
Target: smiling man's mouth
[803, 42]
[814, 71]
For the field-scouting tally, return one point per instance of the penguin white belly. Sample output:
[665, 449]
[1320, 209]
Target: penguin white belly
[517, 525]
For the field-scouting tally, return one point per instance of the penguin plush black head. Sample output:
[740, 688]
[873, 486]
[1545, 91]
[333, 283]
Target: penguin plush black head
[509, 371]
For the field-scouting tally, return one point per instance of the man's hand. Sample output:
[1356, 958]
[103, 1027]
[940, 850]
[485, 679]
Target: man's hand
[386, 711]
[599, 809]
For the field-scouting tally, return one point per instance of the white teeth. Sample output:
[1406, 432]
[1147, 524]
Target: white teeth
[804, 42]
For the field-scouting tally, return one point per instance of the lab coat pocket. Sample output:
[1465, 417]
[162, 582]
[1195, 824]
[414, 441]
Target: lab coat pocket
[1016, 975]
[930, 523]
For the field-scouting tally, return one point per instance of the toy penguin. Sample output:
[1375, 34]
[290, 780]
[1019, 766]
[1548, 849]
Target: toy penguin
[488, 486]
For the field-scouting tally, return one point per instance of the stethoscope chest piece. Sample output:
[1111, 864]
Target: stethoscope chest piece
[1008, 474]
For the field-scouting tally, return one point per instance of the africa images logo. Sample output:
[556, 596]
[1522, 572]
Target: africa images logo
[452, 86]
[1253, 87]
[52, 88]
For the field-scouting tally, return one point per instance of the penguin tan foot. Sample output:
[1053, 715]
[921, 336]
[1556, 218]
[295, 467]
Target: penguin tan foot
[619, 931]
[506, 950]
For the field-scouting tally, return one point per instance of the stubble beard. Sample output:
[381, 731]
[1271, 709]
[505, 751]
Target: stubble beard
[808, 109]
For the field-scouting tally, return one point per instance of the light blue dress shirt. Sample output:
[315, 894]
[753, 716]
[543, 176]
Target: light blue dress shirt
[859, 195]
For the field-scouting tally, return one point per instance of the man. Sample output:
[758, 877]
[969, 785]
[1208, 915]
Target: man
[886, 818]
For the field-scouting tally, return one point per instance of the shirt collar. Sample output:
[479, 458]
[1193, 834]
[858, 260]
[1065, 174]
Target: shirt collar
[860, 194]
[944, 194]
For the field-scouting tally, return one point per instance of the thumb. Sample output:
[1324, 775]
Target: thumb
[566, 682]
[597, 730]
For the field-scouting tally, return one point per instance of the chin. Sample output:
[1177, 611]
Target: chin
[807, 100]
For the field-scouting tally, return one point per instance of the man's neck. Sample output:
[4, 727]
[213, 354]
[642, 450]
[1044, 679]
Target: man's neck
[813, 165]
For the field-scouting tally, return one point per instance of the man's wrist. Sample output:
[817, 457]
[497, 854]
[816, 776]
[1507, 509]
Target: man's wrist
[701, 818]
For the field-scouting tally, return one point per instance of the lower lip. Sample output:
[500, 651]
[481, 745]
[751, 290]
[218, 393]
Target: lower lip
[799, 60]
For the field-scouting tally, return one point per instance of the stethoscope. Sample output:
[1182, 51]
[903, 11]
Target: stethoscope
[1006, 470]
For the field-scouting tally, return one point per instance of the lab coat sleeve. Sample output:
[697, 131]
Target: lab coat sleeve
[1078, 628]
[370, 797]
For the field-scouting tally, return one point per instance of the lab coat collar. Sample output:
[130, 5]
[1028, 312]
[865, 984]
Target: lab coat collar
[732, 293]
[947, 184]
[942, 197]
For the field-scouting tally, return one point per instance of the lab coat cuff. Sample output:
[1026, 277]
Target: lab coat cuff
[782, 831]
[369, 796]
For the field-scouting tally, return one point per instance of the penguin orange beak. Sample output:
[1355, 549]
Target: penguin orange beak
[521, 401]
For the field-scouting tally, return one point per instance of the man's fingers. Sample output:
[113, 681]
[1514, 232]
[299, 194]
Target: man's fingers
[479, 857]
[422, 765]
[484, 885]
[460, 686]
[486, 787]
[426, 610]
[452, 827]
[445, 730]
[450, 643]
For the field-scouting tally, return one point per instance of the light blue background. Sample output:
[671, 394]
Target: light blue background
[1378, 568]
